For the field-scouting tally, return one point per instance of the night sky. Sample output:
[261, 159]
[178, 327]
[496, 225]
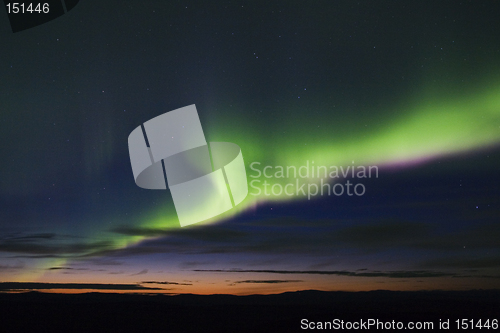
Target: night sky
[412, 88]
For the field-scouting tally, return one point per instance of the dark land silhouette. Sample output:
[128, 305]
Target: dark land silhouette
[101, 312]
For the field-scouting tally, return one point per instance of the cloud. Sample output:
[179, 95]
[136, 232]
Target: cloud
[67, 268]
[289, 236]
[13, 286]
[389, 274]
[144, 271]
[236, 237]
[102, 261]
[40, 256]
[267, 281]
[32, 237]
[166, 282]
[50, 245]
[19, 265]
[201, 233]
[479, 276]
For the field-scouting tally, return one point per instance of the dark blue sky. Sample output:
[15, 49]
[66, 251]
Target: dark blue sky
[409, 87]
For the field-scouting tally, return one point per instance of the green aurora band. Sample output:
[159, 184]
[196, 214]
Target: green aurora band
[426, 128]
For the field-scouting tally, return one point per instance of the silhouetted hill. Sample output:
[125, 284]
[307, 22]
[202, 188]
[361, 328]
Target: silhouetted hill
[98, 312]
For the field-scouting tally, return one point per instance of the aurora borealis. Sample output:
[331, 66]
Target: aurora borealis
[413, 89]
